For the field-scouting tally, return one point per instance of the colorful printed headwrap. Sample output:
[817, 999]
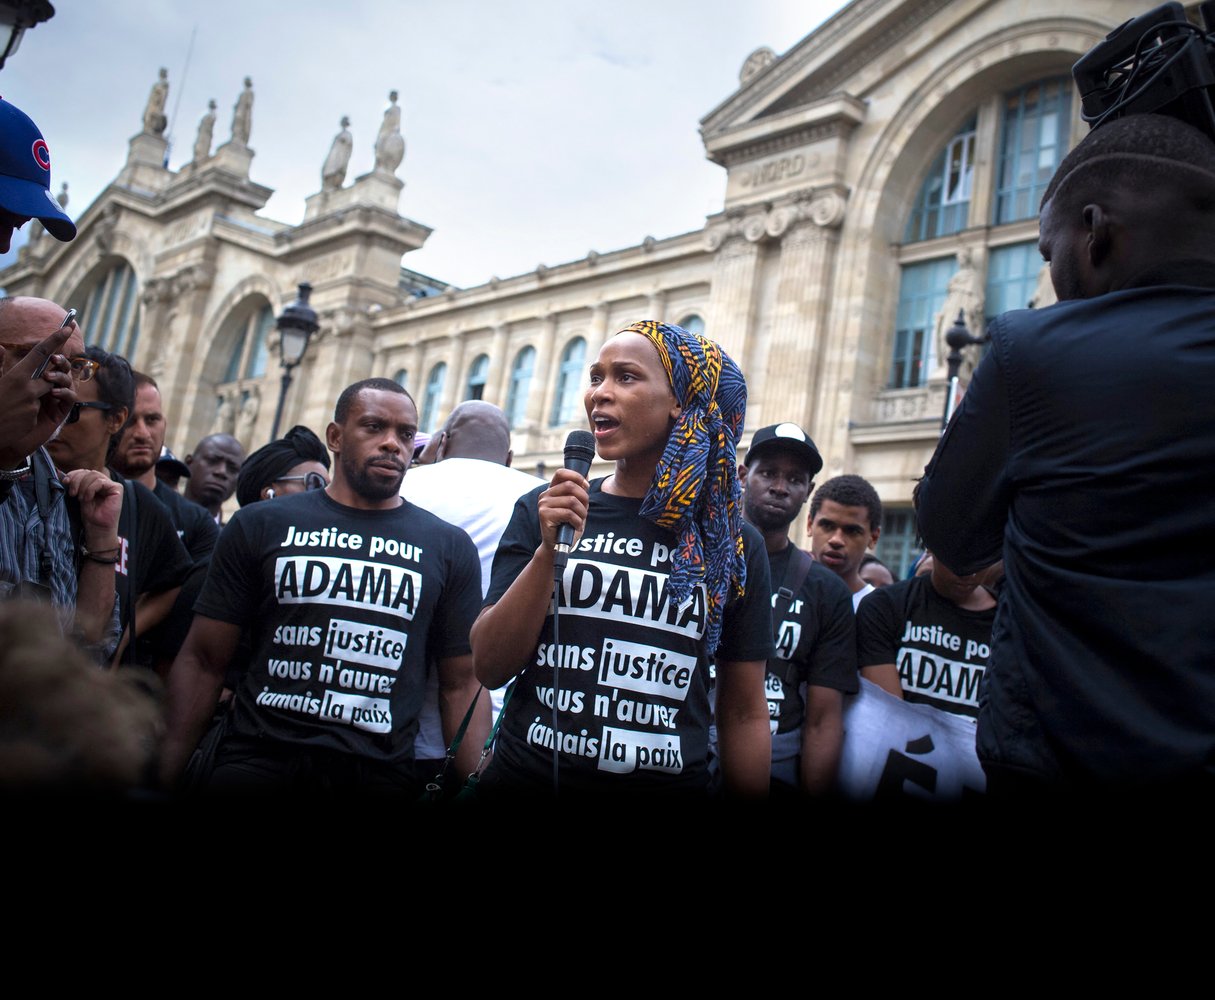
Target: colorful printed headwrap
[695, 492]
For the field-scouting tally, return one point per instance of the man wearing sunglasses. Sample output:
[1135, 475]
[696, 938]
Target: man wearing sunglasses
[58, 536]
[152, 564]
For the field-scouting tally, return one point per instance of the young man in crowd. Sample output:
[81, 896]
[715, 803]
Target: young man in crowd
[815, 661]
[845, 522]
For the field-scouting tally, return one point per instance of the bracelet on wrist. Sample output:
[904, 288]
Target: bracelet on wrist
[108, 557]
[12, 475]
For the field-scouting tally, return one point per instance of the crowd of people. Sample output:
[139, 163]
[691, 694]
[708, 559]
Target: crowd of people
[383, 618]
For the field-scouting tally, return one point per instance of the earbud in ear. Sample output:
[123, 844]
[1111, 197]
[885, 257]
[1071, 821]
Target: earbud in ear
[269, 493]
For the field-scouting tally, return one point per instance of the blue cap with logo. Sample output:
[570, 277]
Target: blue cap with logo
[25, 173]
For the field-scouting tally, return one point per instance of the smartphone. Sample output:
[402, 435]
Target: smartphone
[67, 320]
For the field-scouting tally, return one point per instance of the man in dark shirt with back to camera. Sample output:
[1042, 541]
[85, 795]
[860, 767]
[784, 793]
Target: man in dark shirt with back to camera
[815, 661]
[347, 592]
[1084, 452]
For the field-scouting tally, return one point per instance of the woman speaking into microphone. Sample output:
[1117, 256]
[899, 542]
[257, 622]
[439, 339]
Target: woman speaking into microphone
[612, 692]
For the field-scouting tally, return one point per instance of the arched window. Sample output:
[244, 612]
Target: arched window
[434, 392]
[477, 374]
[569, 381]
[943, 204]
[401, 378]
[520, 384]
[110, 316]
[250, 352]
[693, 324]
[1027, 135]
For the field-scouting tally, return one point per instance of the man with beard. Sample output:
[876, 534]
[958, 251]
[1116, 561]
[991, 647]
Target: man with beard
[347, 593]
[135, 455]
[813, 626]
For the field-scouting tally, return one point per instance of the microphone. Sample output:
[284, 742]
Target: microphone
[579, 453]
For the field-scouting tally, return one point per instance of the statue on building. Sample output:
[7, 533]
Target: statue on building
[225, 413]
[964, 294]
[390, 144]
[206, 126]
[62, 196]
[249, 405]
[333, 173]
[1044, 292]
[242, 115]
[154, 119]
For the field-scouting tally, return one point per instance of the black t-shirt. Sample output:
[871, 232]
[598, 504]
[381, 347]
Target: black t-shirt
[160, 560]
[345, 607]
[818, 634]
[195, 526]
[940, 650]
[633, 707]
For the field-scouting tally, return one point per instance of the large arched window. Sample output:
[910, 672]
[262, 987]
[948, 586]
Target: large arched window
[401, 378]
[477, 375]
[520, 384]
[110, 315]
[569, 381]
[250, 350]
[434, 393]
[1027, 133]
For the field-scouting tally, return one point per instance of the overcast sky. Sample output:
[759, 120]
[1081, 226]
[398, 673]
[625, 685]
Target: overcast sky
[535, 130]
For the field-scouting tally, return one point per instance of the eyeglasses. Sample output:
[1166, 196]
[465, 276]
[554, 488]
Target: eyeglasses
[74, 414]
[311, 480]
[83, 368]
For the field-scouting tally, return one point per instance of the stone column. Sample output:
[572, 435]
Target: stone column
[656, 306]
[453, 388]
[540, 393]
[499, 367]
[597, 332]
[787, 369]
[735, 283]
[189, 396]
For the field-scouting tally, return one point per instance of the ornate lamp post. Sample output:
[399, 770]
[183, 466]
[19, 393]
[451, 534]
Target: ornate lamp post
[295, 325]
[957, 337]
[15, 17]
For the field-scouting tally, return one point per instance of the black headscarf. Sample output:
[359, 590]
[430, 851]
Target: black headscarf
[276, 459]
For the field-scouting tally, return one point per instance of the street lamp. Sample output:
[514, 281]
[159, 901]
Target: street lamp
[295, 325]
[957, 337]
[15, 17]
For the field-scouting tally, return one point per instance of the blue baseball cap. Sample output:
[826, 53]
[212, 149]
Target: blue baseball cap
[25, 173]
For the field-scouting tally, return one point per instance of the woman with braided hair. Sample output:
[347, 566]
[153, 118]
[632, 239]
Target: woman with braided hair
[664, 577]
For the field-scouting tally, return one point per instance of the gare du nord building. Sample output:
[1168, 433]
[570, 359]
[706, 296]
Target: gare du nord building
[879, 176]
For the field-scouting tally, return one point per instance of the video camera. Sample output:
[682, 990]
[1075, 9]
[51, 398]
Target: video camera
[1156, 63]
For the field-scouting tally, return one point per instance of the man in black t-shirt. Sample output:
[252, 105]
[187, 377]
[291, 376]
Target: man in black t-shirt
[348, 593]
[928, 638]
[135, 455]
[815, 661]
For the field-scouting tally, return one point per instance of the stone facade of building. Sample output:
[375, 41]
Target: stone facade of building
[881, 174]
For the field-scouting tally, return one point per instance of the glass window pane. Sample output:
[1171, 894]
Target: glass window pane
[261, 323]
[477, 374]
[520, 385]
[1033, 141]
[922, 290]
[569, 381]
[434, 392]
[943, 203]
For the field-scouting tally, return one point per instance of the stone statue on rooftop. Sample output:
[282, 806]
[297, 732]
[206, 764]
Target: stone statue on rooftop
[390, 144]
[333, 173]
[206, 126]
[154, 119]
[242, 115]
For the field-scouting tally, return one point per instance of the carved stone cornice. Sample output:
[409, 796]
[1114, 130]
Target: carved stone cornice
[195, 277]
[824, 209]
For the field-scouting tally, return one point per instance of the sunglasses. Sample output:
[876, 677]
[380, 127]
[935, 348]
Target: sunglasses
[74, 414]
[311, 480]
